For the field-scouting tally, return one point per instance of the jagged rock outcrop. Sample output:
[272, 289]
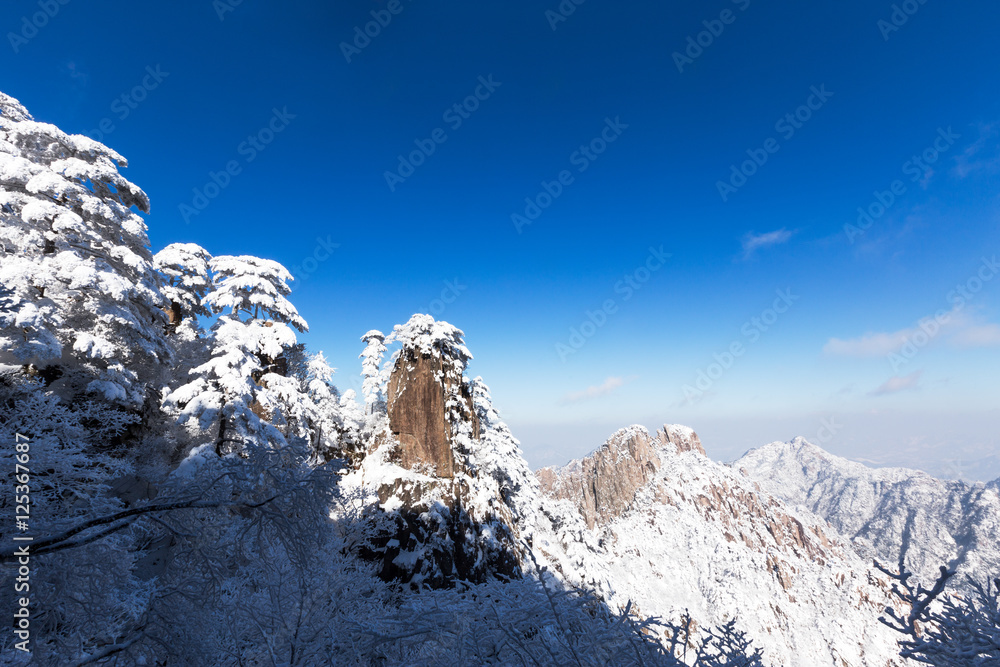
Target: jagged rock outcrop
[604, 484]
[649, 520]
[445, 470]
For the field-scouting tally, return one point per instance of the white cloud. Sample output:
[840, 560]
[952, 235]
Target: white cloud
[869, 345]
[958, 327]
[897, 384]
[596, 391]
[983, 335]
[752, 242]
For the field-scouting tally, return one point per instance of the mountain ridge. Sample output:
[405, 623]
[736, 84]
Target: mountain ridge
[696, 535]
[882, 511]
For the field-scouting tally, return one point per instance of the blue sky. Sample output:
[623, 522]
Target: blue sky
[625, 135]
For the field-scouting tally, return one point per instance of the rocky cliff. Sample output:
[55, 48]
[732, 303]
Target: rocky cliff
[443, 512]
[425, 404]
[603, 485]
[651, 520]
[646, 520]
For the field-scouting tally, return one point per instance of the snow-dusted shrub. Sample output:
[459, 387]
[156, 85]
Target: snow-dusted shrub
[946, 629]
[82, 590]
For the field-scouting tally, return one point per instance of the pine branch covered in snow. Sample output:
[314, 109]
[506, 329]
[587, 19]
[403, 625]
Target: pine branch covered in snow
[942, 628]
[184, 267]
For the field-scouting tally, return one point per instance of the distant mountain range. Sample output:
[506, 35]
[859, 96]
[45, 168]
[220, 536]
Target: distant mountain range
[882, 511]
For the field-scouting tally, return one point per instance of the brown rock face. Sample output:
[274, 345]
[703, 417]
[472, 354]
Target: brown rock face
[603, 485]
[685, 440]
[419, 388]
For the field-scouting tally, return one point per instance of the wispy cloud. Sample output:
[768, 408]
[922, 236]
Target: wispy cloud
[981, 154]
[847, 390]
[595, 391]
[753, 242]
[897, 384]
[983, 335]
[958, 327]
[869, 345]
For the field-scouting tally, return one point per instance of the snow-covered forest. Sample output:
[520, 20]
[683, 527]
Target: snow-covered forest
[202, 493]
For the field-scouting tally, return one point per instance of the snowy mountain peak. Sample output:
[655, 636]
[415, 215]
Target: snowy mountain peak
[649, 520]
[882, 511]
[604, 483]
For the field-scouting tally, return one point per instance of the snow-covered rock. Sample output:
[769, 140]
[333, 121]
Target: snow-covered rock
[449, 479]
[672, 530]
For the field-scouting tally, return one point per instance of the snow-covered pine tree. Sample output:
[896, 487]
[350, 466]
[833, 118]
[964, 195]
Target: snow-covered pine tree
[184, 267]
[942, 628]
[371, 365]
[84, 294]
[244, 387]
[336, 420]
[499, 456]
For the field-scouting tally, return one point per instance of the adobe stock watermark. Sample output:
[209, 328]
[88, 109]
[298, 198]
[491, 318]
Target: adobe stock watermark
[627, 286]
[827, 431]
[581, 158]
[30, 25]
[322, 251]
[363, 36]
[248, 150]
[714, 28]
[786, 126]
[929, 327]
[223, 7]
[917, 167]
[22, 517]
[562, 12]
[123, 105]
[899, 17]
[454, 116]
[752, 330]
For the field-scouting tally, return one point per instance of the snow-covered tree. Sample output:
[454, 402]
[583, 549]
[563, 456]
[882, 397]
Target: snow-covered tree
[371, 370]
[336, 420]
[942, 628]
[76, 258]
[244, 385]
[433, 338]
[184, 267]
[725, 646]
[498, 455]
[71, 475]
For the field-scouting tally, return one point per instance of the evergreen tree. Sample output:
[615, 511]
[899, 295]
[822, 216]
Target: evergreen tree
[83, 294]
[244, 385]
[371, 371]
[945, 629]
[184, 268]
